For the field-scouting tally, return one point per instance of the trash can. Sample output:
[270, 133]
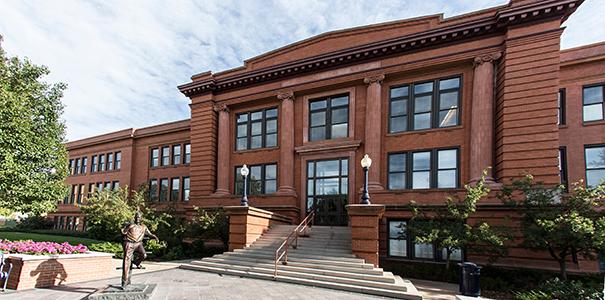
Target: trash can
[470, 275]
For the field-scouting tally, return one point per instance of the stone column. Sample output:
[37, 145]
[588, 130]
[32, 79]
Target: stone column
[482, 118]
[373, 130]
[365, 228]
[286, 144]
[222, 157]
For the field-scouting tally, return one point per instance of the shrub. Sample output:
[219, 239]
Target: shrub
[561, 290]
[106, 213]
[210, 225]
[34, 223]
[108, 247]
[157, 249]
[40, 248]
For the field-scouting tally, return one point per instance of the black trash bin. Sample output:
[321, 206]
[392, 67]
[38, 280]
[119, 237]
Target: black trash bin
[470, 275]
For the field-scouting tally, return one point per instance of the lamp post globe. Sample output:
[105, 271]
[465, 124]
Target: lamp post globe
[366, 162]
[244, 172]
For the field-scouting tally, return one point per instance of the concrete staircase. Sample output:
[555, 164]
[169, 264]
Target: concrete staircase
[324, 259]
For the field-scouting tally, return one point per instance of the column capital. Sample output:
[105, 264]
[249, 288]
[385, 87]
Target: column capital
[218, 107]
[378, 78]
[491, 57]
[285, 95]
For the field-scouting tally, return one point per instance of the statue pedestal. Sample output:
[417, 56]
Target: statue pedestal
[131, 292]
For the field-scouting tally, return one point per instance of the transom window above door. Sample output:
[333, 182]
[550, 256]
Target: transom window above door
[329, 118]
[425, 105]
[256, 129]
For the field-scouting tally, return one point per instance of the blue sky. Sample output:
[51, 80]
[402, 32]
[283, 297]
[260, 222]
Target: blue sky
[123, 60]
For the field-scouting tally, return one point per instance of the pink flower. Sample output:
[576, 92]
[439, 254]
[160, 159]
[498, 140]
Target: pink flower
[40, 248]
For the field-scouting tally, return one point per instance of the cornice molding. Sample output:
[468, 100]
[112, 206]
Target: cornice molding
[498, 23]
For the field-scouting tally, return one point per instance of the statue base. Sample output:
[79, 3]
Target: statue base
[131, 292]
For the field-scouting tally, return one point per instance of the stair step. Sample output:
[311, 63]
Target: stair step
[304, 260]
[324, 257]
[395, 293]
[300, 250]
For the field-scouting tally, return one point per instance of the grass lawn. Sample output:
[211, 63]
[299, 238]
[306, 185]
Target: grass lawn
[37, 237]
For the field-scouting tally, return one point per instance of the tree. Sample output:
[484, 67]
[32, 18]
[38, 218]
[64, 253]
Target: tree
[448, 228]
[33, 159]
[565, 225]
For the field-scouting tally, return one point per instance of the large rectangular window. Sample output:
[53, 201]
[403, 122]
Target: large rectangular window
[101, 162]
[84, 165]
[176, 154]
[93, 164]
[595, 164]
[165, 156]
[187, 153]
[163, 189]
[432, 104]
[403, 245]
[257, 129]
[153, 190]
[72, 166]
[329, 118]
[118, 165]
[175, 187]
[593, 108]
[437, 168]
[261, 180]
[155, 157]
[109, 161]
[186, 188]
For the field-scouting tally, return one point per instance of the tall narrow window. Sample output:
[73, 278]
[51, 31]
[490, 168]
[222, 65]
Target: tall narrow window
[186, 189]
[109, 161]
[561, 106]
[80, 193]
[101, 162]
[93, 164]
[163, 189]
[176, 154]
[72, 166]
[449, 97]
[91, 189]
[153, 190]
[118, 165]
[99, 187]
[398, 245]
[447, 168]
[398, 110]
[73, 194]
[77, 166]
[421, 170]
[155, 157]
[257, 129]
[165, 156]
[175, 187]
[262, 180]
[563, 166]
[107, 186]
[397, 171]
[595, 165]
[115, 185]
[187, 153]
[329, 118]
[423, 104]
[593, 103]
[84, 165]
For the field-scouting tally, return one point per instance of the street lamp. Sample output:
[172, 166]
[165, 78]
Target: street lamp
[366, 162]
[245, 173]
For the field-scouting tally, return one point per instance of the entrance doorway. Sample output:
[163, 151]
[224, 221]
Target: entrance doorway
[327, 190]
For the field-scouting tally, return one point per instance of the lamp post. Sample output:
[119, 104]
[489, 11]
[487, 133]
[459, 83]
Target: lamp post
[245, 173]
[366, 162]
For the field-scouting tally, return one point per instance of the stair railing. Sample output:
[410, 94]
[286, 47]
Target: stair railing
[282, 250]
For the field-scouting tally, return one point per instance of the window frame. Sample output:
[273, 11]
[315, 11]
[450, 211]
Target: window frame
[117, 160]
[80, 193]
[153, 195]
[77, 166]
[328, 116]
[435, 103]
[237, 184]
[160, 189]
[94, 164]
[84, 165]
[102, 165]
[186, 191]
[563, 175]
[561, 97]
[172, 190]
[602, 102]
[151, 157]
[263, 120]
[166, 157]
[586, 162]
[110, 164]
[174, 160]
[433, 169]
[187, 156]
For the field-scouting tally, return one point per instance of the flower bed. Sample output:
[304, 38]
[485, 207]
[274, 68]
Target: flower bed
[40, 248]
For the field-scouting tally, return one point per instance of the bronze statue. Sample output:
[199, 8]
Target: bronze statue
[133, 234]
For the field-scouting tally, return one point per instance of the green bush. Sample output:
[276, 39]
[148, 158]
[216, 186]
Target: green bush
[561, 290]
[34, 222]
[157, 249]
[108, 247]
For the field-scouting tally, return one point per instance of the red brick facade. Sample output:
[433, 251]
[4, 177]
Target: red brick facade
[510, 70]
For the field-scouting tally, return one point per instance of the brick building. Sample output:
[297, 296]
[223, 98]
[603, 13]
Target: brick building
[432, 101]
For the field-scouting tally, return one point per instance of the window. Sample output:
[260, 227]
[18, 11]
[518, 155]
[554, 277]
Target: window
[99, 187]
[80, 193]
[84, 163]
[101, 162]
[77, 167]
[93, 164]
[186, 189]
[165, 156]
[56, 222]
[107, 186]
[72, 195]
[69, 223]
[257, 129]
[561, 106]
[115, 185]
[175, 187]
[187, 153]
[402, 245]
[261, 180]
[153, 190]
[593, 103]
[118, 165]
[163, 189]
[109, 161]
[176, 154]
[72, 166]
[424, 169]
[433, 104]
[91, 189]
[329, 118]
[155, 157]
[563, 166]
[61, 221]
[595, 165]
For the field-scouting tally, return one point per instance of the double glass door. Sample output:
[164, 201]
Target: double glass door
[327, 190]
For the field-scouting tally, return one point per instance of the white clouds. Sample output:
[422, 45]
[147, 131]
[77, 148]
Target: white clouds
[123, 59]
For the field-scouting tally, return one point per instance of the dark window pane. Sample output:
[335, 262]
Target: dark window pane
[270, 171]
[318, 133]
[339, 131]
[399, 107]
[344, 167]
[397, 162]
[256, 142]
[449, 83]
[593, 95]
[242, 143]
[318, 118]
[271, 113]
[271, 140]
[327, 168]
[422, 121]
[423, 88]
[422, 160]
[399, 92]
[256, 128]
[399, 124]
[448, 100]
[256, 115]
[397, 229]
[340, 101]
[318, 104]
[270, 186]
[242, 118]
[242, 130]
[340, 115]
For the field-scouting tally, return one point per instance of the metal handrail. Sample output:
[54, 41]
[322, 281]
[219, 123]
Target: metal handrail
[294, 234]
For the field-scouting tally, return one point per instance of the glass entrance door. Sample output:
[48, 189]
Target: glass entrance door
[327, 190]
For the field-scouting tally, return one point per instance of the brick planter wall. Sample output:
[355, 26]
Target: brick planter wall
[39, 271]
[365, 221]
[246, 224]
